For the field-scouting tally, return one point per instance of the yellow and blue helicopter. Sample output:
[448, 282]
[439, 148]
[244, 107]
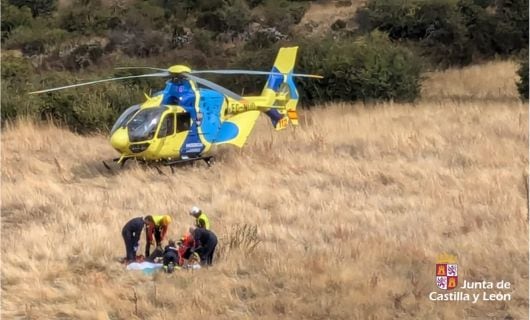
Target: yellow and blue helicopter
[182, 122]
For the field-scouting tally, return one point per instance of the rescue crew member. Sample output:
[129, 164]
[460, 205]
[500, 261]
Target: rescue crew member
[157, 226]
[201, 220]
[170, 257]
[205, 243]
[185, 246]
[131, 232]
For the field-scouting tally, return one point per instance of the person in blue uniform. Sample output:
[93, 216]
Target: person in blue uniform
[131, 236]
[205, 243]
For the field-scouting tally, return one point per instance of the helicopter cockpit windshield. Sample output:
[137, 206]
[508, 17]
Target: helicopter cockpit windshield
[125, 117]
[143, 126]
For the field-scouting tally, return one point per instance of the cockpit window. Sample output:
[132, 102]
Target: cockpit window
[183, 122]
[124, 118]
[143, 125]
[167, 127]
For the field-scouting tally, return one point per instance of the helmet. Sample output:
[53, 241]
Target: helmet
[195, 210]
[166, 220]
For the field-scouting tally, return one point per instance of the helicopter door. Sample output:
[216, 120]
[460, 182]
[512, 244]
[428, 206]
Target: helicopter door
[168, 141]
[167, 128]
[192, 146]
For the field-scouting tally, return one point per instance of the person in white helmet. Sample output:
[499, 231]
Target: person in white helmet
[201, 220]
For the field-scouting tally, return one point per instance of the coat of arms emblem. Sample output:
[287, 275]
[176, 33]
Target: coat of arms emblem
[446, 272]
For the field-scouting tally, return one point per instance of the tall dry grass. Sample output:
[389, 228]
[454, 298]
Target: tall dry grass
[494, 80]
[351, 209]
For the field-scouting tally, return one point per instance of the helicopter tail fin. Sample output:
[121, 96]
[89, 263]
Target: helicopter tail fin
[280, 90]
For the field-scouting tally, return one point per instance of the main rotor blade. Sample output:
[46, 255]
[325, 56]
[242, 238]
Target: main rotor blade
[214, 86]
[303, 75]
[138, 68]
[165, 74]
[253, 72]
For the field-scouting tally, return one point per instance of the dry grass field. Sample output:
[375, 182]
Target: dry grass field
[351, 210]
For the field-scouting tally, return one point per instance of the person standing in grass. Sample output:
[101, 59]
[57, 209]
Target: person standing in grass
[201, 220]
[157, 226]
[131, 232]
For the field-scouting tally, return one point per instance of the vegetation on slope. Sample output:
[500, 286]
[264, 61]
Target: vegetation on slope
[47, 43]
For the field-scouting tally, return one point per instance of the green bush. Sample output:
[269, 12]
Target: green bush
[16, 78]
[436, 25]
[282, 14]
[234, 15]
[203, 41]
[370, 68]
[37, 7]
[84, 56]
[12, 18]
[511, 34]
[38, 35]
[85, 109]
[85, 17]
[16, 71]
[451, 32]
[251, 60]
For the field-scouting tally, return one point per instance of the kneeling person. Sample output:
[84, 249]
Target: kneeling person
[205, 243]
[170, 257]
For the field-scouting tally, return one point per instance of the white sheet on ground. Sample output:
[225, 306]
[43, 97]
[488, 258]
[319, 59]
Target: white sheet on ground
[143, 265]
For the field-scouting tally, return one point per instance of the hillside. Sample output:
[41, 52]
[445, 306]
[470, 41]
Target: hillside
[351, 210]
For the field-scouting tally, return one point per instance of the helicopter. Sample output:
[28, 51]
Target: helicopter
[190, 115]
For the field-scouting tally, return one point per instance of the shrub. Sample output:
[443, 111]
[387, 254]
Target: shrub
[15, 71]
[451, 32]
[233, 16]
[236, 15]
[212, 21]
[84, 56]
[370, 68]
[38, 7]
[241, 239]
[86, 109]
[12, 18]
[145, 44]
[264, 38]
[436, 25]
[35, 39]
[85, 17]
[203, 41]
[251, 60]
[282, 14]
[511, 34]
[15, 81]
[15, 102]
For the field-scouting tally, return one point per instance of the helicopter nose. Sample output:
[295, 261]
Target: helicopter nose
[119, 140]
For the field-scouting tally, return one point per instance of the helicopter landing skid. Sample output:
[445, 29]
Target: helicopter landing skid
[208, 160]
[115, 160]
